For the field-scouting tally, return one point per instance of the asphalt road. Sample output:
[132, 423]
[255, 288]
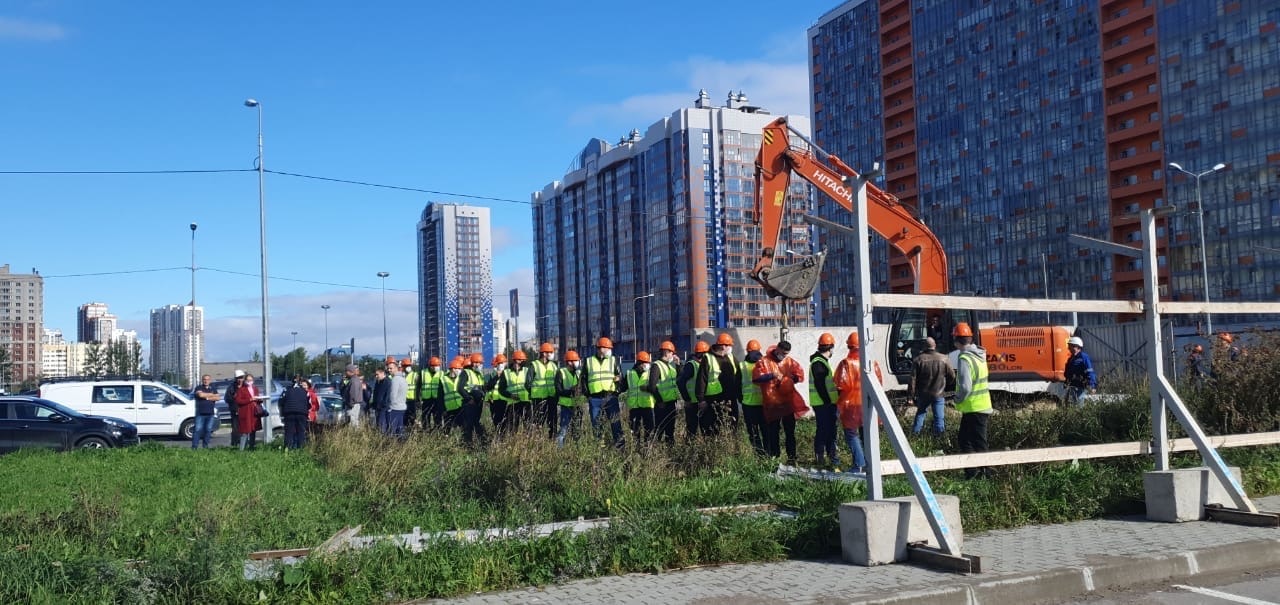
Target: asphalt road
[1247, 589]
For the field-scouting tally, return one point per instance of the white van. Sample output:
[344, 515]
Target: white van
[154, 407]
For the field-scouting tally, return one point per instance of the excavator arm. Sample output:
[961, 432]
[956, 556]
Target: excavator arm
[775, 163]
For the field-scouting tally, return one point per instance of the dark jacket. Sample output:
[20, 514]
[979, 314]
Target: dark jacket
[687, 373]
[930, 374]
[295, 402]
[229, 396]
[382, 394]
[730, 384]
[818, 374]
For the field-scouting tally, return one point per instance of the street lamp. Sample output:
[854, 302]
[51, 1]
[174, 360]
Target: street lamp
[1204, 262]
[295, 348]
[326, 343]
[384, 275]
[262, 244]
[633, 321]
[194, 347]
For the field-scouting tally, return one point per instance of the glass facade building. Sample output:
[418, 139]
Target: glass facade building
[652, 238]
[1009, 126]
[455, 282]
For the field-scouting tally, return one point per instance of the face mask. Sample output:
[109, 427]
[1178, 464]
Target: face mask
[644, 367]
[454, 372]
[435, 368]
[573, 365]
[248, 381]
[551, 357]
[606, 353]
[500, 367]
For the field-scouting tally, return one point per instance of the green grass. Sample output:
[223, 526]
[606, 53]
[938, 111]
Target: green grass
[169, 525]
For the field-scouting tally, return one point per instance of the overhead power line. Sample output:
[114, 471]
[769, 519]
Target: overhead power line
[128, 171]
[401, 188]
[216, 270]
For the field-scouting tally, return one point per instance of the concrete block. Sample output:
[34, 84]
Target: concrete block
[1173, 496]
[917, 525]
[1213, 491]
[869, 531]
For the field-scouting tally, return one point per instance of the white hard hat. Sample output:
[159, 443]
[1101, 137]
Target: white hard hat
[1075, 340]
[239, 373]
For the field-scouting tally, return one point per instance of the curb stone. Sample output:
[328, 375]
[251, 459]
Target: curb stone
[1108, 574]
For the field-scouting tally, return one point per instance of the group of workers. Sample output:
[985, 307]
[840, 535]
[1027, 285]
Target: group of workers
[714, 391]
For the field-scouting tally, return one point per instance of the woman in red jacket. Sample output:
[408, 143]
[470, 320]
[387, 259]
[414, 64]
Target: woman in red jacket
[247, 420]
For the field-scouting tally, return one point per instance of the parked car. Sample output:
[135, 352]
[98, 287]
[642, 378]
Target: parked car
[27, 421]
[153, 407]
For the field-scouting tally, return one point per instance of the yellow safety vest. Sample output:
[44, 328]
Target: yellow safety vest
[600, 374]
[667, 388]
[544, 379]
[815, 400]
[430, 383]
[637, 397]
[713, 376]
[569, 379]
[515, 383]
[750, 392]
[452, 397]
[979, 398]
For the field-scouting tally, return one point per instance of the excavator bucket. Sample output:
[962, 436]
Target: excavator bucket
[796, 281]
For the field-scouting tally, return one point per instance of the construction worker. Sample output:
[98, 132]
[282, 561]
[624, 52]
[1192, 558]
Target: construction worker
[665, 390]
[512, 385]
[471, 385]
[717, 388]
[822, 398]
[931, 372]
[640, 401]
[499, 404]
[1079, 372]
[752, 400]
[412, 397]
[1225, 353]
[848, 382]
[451, 395]
[1195, 365]
[686, 382]
[600, 376]
[429, 394]
[973, 401]
[567, 393]
[776, 376]
[542, 388]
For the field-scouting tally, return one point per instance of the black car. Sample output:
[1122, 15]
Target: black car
[27, 421]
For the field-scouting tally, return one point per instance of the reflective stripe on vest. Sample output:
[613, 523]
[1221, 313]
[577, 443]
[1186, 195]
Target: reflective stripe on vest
[637, 397]
[412, 379]
[667, 388]
[452, 398]
[815, 400]
[713, 376]
[474, 378]
[544, 379]
[600, 375]
[750, 392]
[430, 382]
[569, 380]
[979, 398]
[515, 383]
[495, 394]
[692, 383]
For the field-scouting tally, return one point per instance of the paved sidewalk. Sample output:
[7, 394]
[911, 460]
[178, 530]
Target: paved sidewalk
[1023, 565]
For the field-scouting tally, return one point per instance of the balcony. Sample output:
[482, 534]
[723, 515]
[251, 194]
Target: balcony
[1134, 15]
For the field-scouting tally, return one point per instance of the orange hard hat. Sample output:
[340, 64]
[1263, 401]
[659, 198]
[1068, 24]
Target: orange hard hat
[460, 359]
[852, 340]
[499, 358]
[1198, 349]
[701, 347]
[406, 362]
[604, 343]
[435, 361]
[1226, 337]
[667, 346]
[962, 329]
[546, 348]
[724, 340]
[753, 345]
[477, 358]
[456, 364]
[571, 355]
[391, 358]
[519, 355]
[643, 356]
[826, 339]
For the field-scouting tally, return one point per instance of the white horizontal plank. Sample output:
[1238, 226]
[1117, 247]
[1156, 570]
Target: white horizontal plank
[1072, 452]
[1195, 308]
[940, 301]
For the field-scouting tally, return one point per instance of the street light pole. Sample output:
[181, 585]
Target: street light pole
[262, 244]
[384, 275]
[1204, 262]
[295, 348]
[326, 343]
[634, 328]
[191, 318]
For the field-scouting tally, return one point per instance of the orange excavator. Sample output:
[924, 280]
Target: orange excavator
[1021, 359]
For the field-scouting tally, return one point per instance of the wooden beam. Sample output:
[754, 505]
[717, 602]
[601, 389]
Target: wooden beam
[1196, 308]
[939, 301]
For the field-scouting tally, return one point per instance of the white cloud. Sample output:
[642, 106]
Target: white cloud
[22, 29]
[522, 279]
[504, 238]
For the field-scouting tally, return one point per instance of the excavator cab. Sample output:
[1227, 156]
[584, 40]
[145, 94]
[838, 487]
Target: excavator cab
[911, 327]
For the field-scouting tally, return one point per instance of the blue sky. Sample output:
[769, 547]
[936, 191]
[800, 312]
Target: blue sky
[482, 99]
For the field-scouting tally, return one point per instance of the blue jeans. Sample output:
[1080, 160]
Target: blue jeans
[923, 403]
[824, 438]
[394, 423]
[609, 405]
[203, 430]
[566, 422]
[853, 437]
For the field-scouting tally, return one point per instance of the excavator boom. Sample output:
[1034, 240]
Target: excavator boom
[885, 215]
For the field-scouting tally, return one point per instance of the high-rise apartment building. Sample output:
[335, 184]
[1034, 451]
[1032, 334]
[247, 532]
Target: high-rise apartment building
[59, 358]
[95, 323]
[654, 237]
[21, 326]
[1010, 126]
[455, 281]
[177, 342]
